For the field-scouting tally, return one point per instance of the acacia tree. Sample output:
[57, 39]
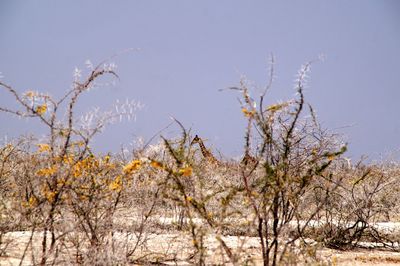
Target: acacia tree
[63, 175]
[293, 152]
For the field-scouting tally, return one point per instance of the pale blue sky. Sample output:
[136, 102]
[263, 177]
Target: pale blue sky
[191, 49]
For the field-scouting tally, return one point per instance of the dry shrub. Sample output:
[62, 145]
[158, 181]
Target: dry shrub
[61, 191]
[365, 198]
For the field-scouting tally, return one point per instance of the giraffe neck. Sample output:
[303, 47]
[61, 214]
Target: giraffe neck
[206, 153]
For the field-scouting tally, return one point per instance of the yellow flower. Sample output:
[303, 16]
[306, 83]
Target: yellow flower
[157, 165]
[68, 159]
[50, 196]
[116, 185]
[30, 94]
[41, 109]
[77, 171]
[248, 113]
[189, 198]
[47, 171]
[331, 157]
[132, 166]
[32, 201]
[43, 147]
[61, 182]
[106, 158]
[276, 107]
[186, 171]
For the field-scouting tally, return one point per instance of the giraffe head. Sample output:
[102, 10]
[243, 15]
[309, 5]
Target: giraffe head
[206, 153]
[195, 140]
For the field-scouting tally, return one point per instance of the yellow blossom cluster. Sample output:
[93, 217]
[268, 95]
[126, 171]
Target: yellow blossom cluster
[132, 166]
[186, 171]
[331, 157]
[49, 194]
[248, 113]
[49, 171]
[157, 165]
[116, 184]
[189, 199]
[86, 165]
[41, 109]
[276, 107]
[66, 159]
[43, 147]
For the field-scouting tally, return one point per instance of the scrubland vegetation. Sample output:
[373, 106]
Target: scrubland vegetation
[293, 195]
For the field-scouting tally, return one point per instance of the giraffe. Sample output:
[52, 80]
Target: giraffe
[206, 153]
[248, 159]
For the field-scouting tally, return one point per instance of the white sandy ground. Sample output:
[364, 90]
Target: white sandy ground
[179, 245]
[383, 227]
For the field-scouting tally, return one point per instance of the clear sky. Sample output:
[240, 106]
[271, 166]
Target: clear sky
[191, 49]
